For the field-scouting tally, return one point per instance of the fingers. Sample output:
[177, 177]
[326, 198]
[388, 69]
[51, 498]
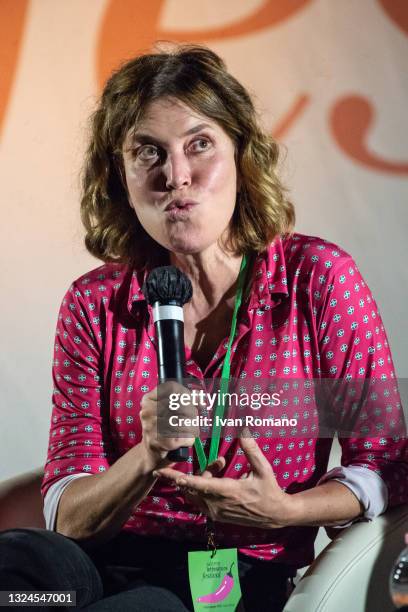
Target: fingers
[168, 388]
[198, 484]
[247, 476]
[214, 468]
[166, 427]
[253, 453]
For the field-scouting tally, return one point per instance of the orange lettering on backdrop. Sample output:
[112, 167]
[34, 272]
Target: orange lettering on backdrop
[280, 130]
[12, 19]
[128, 28]
[268, 14]
[397, 10]
[132, 26]
[350, 122]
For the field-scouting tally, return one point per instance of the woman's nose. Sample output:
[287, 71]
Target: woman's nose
[177, 171]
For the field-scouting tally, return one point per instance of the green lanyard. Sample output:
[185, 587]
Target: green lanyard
[225, 378]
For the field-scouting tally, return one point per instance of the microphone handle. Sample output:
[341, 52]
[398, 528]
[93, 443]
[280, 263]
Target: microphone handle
[171, 363]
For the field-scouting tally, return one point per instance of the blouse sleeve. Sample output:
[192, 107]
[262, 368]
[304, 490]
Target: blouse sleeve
[357, 368]
[79, 441]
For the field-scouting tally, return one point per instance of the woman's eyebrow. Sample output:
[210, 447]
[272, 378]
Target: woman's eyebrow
[144, 138]
[197, 128]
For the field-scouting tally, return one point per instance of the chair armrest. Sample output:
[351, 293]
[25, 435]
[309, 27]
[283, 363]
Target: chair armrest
[351, 573]
[20, 501]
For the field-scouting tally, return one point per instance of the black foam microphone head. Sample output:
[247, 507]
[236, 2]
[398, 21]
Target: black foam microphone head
[167, 284]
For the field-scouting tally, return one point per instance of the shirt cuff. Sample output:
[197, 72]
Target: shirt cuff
[369, 488]
[52, 497]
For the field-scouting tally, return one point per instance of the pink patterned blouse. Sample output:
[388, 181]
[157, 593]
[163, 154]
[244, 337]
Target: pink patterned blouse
[310, 315]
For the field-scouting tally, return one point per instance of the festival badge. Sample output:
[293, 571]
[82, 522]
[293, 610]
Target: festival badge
[214, 580]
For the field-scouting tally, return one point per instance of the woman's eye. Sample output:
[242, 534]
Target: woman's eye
[147, 152]
[201, 144]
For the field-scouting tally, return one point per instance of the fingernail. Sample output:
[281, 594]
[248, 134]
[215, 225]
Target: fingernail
[156, 474]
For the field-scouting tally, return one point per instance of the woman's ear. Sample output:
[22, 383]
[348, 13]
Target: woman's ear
[121, 172]
[238, 170]
[122, 177]
[239, 183]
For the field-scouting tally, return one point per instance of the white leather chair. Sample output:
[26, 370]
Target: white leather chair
[351, 573]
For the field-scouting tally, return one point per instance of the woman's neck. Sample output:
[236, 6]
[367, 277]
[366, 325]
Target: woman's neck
[213, 275]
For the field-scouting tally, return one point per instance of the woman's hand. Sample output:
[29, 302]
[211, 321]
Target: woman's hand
[256, 500]
[154, 416]
[95, 508]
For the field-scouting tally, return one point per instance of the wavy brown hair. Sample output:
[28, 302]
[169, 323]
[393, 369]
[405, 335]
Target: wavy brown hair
[196, 76]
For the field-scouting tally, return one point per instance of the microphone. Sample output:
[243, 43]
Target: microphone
[166, 290]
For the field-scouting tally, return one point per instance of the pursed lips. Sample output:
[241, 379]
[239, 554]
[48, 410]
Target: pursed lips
[182, 205]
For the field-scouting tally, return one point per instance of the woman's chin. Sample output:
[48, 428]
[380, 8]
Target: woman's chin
[186, 248]
[186, 245]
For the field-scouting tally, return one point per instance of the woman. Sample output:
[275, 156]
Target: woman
[178, 172]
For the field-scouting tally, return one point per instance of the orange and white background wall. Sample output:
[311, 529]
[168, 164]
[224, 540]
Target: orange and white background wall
[330, 80]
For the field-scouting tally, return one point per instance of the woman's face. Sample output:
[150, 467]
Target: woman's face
[181, 176]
